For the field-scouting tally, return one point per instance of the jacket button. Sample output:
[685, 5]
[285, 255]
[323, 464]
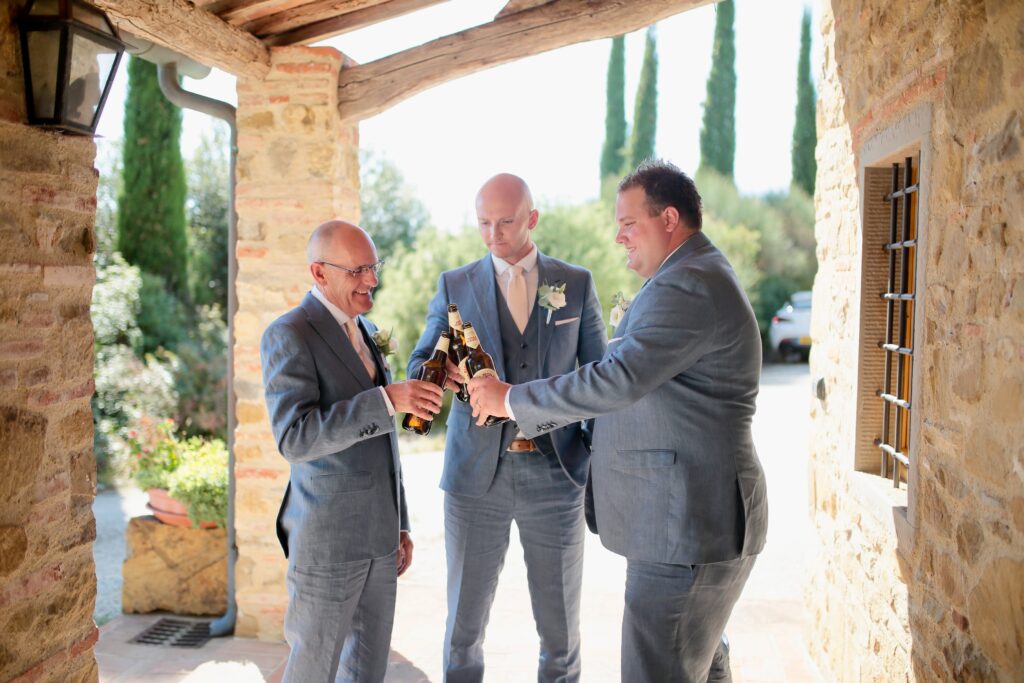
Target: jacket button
[523, 366]
[523, 346]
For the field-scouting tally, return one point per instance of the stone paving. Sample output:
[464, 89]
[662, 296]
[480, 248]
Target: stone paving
[766, 629]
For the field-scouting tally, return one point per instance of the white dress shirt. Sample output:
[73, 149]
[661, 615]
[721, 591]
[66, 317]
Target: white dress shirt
[342, 318]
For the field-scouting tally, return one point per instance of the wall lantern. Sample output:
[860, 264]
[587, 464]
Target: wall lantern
[70, 52]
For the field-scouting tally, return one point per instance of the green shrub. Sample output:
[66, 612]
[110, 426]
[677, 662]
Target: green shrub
[201, 376]
[162, 317]
[115, 303]
[128, 391]
[201, 481]
[194, 470]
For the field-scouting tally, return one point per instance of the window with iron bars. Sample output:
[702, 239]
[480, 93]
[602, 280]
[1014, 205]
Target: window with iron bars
[887, 311]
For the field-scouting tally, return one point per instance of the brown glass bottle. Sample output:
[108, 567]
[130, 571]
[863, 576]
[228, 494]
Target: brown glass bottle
[433, 371]
[479, 364]
[457, 347]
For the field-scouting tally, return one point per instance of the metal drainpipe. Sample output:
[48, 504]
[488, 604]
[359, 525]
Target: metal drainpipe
[172, 90]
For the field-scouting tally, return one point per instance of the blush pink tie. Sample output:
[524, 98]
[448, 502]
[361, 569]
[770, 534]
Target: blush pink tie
[517, 303]
[359, 344]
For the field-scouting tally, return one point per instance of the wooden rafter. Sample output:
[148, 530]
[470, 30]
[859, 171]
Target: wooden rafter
[370, 88]
[193, 32]
[513, 6]
[313, 28]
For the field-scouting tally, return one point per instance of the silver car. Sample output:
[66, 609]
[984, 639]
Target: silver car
[790, 331]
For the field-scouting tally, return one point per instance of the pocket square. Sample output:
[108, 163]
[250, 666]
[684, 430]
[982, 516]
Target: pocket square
[567, 320]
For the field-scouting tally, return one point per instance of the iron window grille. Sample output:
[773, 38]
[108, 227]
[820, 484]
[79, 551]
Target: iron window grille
[899, 300]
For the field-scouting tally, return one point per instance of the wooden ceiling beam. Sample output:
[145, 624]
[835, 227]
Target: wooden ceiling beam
[180, 26]
[323, 28]
[513, 6]
[370, 88]
[308, 12]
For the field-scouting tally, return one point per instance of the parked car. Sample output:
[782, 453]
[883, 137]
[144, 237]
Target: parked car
[790, 331]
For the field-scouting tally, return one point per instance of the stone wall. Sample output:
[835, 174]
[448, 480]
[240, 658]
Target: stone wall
[297, 167]
[173, 568]
[47, 470]
[941, 595]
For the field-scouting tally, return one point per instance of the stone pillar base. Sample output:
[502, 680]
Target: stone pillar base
[176, 569]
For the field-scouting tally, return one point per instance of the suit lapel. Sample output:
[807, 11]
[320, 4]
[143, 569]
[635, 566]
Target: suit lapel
[330, 331]
[549, 272]
[368, 329]
[483, 287]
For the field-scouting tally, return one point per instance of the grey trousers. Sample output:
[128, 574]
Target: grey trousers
[532, 490]
[339, 621]
[674, 620]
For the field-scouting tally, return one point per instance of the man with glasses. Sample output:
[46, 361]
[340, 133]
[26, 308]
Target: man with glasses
[343, 522]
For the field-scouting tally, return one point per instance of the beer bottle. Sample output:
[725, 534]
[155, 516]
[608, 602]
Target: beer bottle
[457, 347]
[435, 372]
[479, 364]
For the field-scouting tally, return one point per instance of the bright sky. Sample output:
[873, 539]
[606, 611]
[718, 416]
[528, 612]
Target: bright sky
[543, 117]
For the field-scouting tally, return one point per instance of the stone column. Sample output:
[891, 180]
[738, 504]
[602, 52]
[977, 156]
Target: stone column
[297, 167]
[47, 468]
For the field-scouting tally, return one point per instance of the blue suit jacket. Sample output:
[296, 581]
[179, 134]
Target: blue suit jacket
[574, 336]
[344, 500]
[675, 475]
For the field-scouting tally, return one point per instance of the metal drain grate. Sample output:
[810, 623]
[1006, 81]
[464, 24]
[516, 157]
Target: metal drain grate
[175, 633]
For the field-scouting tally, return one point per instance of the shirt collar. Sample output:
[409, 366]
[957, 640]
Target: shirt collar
[341, 316]
[527, 262]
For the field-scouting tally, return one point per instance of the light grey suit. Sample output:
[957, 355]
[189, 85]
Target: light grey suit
[488, 487]
[343, 508]
[677, 485]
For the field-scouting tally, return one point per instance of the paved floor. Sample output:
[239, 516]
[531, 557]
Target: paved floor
[765, 629]
[112, 509]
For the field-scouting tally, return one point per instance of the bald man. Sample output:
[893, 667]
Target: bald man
[343, 523]
[494, 476]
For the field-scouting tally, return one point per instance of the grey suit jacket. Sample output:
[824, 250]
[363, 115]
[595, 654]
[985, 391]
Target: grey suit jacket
[574, 336]
[674, 472]
[344, 500]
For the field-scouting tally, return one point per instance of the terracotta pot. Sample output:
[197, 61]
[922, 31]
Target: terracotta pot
[172, 511]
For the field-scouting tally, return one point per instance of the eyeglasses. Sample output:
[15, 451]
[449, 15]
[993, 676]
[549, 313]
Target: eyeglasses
[357, 272]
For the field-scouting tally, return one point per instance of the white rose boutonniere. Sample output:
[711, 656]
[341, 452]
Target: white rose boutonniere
[619, 305]
[386, 343]
[551, 297]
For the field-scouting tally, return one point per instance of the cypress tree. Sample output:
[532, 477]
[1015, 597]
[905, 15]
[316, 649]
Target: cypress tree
[151, 217]
[645, 111]
[805, 132]
[612, 159]
[718, 134]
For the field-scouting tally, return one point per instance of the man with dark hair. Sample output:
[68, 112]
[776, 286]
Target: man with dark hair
[677, 486]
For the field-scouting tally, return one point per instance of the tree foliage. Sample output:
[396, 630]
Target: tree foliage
[151, 210]
[781, 230]
[718, 133]
[645, 111]
[612, 154]
[207, 207]
[391, 212]
[805, 131]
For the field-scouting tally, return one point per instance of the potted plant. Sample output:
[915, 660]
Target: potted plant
[186, 479]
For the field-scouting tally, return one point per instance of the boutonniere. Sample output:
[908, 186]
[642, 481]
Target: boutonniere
[386, 343]
[551, 297]
[619, 305]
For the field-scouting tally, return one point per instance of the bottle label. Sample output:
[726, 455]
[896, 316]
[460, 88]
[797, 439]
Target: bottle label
[442, 345]
[472, 341]
[462, 367]
[455, 320]
[485, 372]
